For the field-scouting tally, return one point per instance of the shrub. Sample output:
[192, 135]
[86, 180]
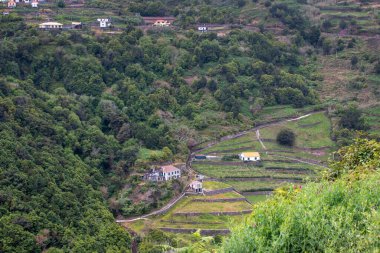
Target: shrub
[337, 216]
[286, 137]
[229, 157]
[352, 117]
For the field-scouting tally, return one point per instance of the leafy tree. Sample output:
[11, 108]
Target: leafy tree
[61, 4]
[286, 137]
[351, 117]
[363, 156]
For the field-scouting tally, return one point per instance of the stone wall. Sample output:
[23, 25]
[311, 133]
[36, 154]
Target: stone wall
[212, 213]
[214, 192]
[220, 200]
[207, 232]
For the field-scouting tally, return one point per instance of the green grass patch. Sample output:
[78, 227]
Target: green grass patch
[254, 199]
[147, 154]
[205, 207]
[255, 185]
[226, 195]
[214, 185]
[311, 132]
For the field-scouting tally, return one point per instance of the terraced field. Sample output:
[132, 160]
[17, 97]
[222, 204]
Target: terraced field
[365, 16]
[280, 165]
[212, 213]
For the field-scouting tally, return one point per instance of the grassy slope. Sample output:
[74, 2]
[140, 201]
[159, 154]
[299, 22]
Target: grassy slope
[311, 132]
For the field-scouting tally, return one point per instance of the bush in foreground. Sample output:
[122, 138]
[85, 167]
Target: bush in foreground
[330, 216]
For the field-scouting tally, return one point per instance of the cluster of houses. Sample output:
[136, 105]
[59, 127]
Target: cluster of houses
[51, 25]
[170, 172]
[13, 3]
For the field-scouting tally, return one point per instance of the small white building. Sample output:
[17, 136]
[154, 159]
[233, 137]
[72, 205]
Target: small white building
[196, 186]
[249, 156]
[51, 25]
[161, 23]
[202, 28]
[26, 1]
[104, 22]
[34, 3]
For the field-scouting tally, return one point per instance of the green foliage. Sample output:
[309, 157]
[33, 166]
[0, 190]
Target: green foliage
[157, 241]
[360, 158]
[351, 117]
[286, 137]
[50, 195]
[320, 217]
[61, 4]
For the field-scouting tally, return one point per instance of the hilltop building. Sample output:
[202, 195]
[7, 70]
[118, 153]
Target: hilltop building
[249, 156]
[104, 22]
[34, 3]
[162, 23]
[202, 28]
[158, 20]
[51, 25]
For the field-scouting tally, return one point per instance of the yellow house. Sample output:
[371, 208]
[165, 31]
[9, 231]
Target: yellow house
[249, 156]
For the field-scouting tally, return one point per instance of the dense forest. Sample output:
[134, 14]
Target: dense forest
[77, 109]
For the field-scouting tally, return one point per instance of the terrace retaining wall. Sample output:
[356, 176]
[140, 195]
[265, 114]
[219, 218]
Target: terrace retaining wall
[214, 192]
[208, 232]
[212, 213]
[219, 200]
[263, 178]
[254, 193]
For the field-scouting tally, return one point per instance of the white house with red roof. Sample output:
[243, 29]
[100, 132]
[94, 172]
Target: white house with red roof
[164, 173]
[34, 3]
[169, 172]
[11, 4]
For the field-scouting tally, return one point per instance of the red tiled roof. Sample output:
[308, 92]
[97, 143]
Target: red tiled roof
[169, 168]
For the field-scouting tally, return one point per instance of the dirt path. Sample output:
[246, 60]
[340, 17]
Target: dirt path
[261, 142]
[160, 211]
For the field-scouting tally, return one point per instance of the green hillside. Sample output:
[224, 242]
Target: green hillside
[86, 113]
